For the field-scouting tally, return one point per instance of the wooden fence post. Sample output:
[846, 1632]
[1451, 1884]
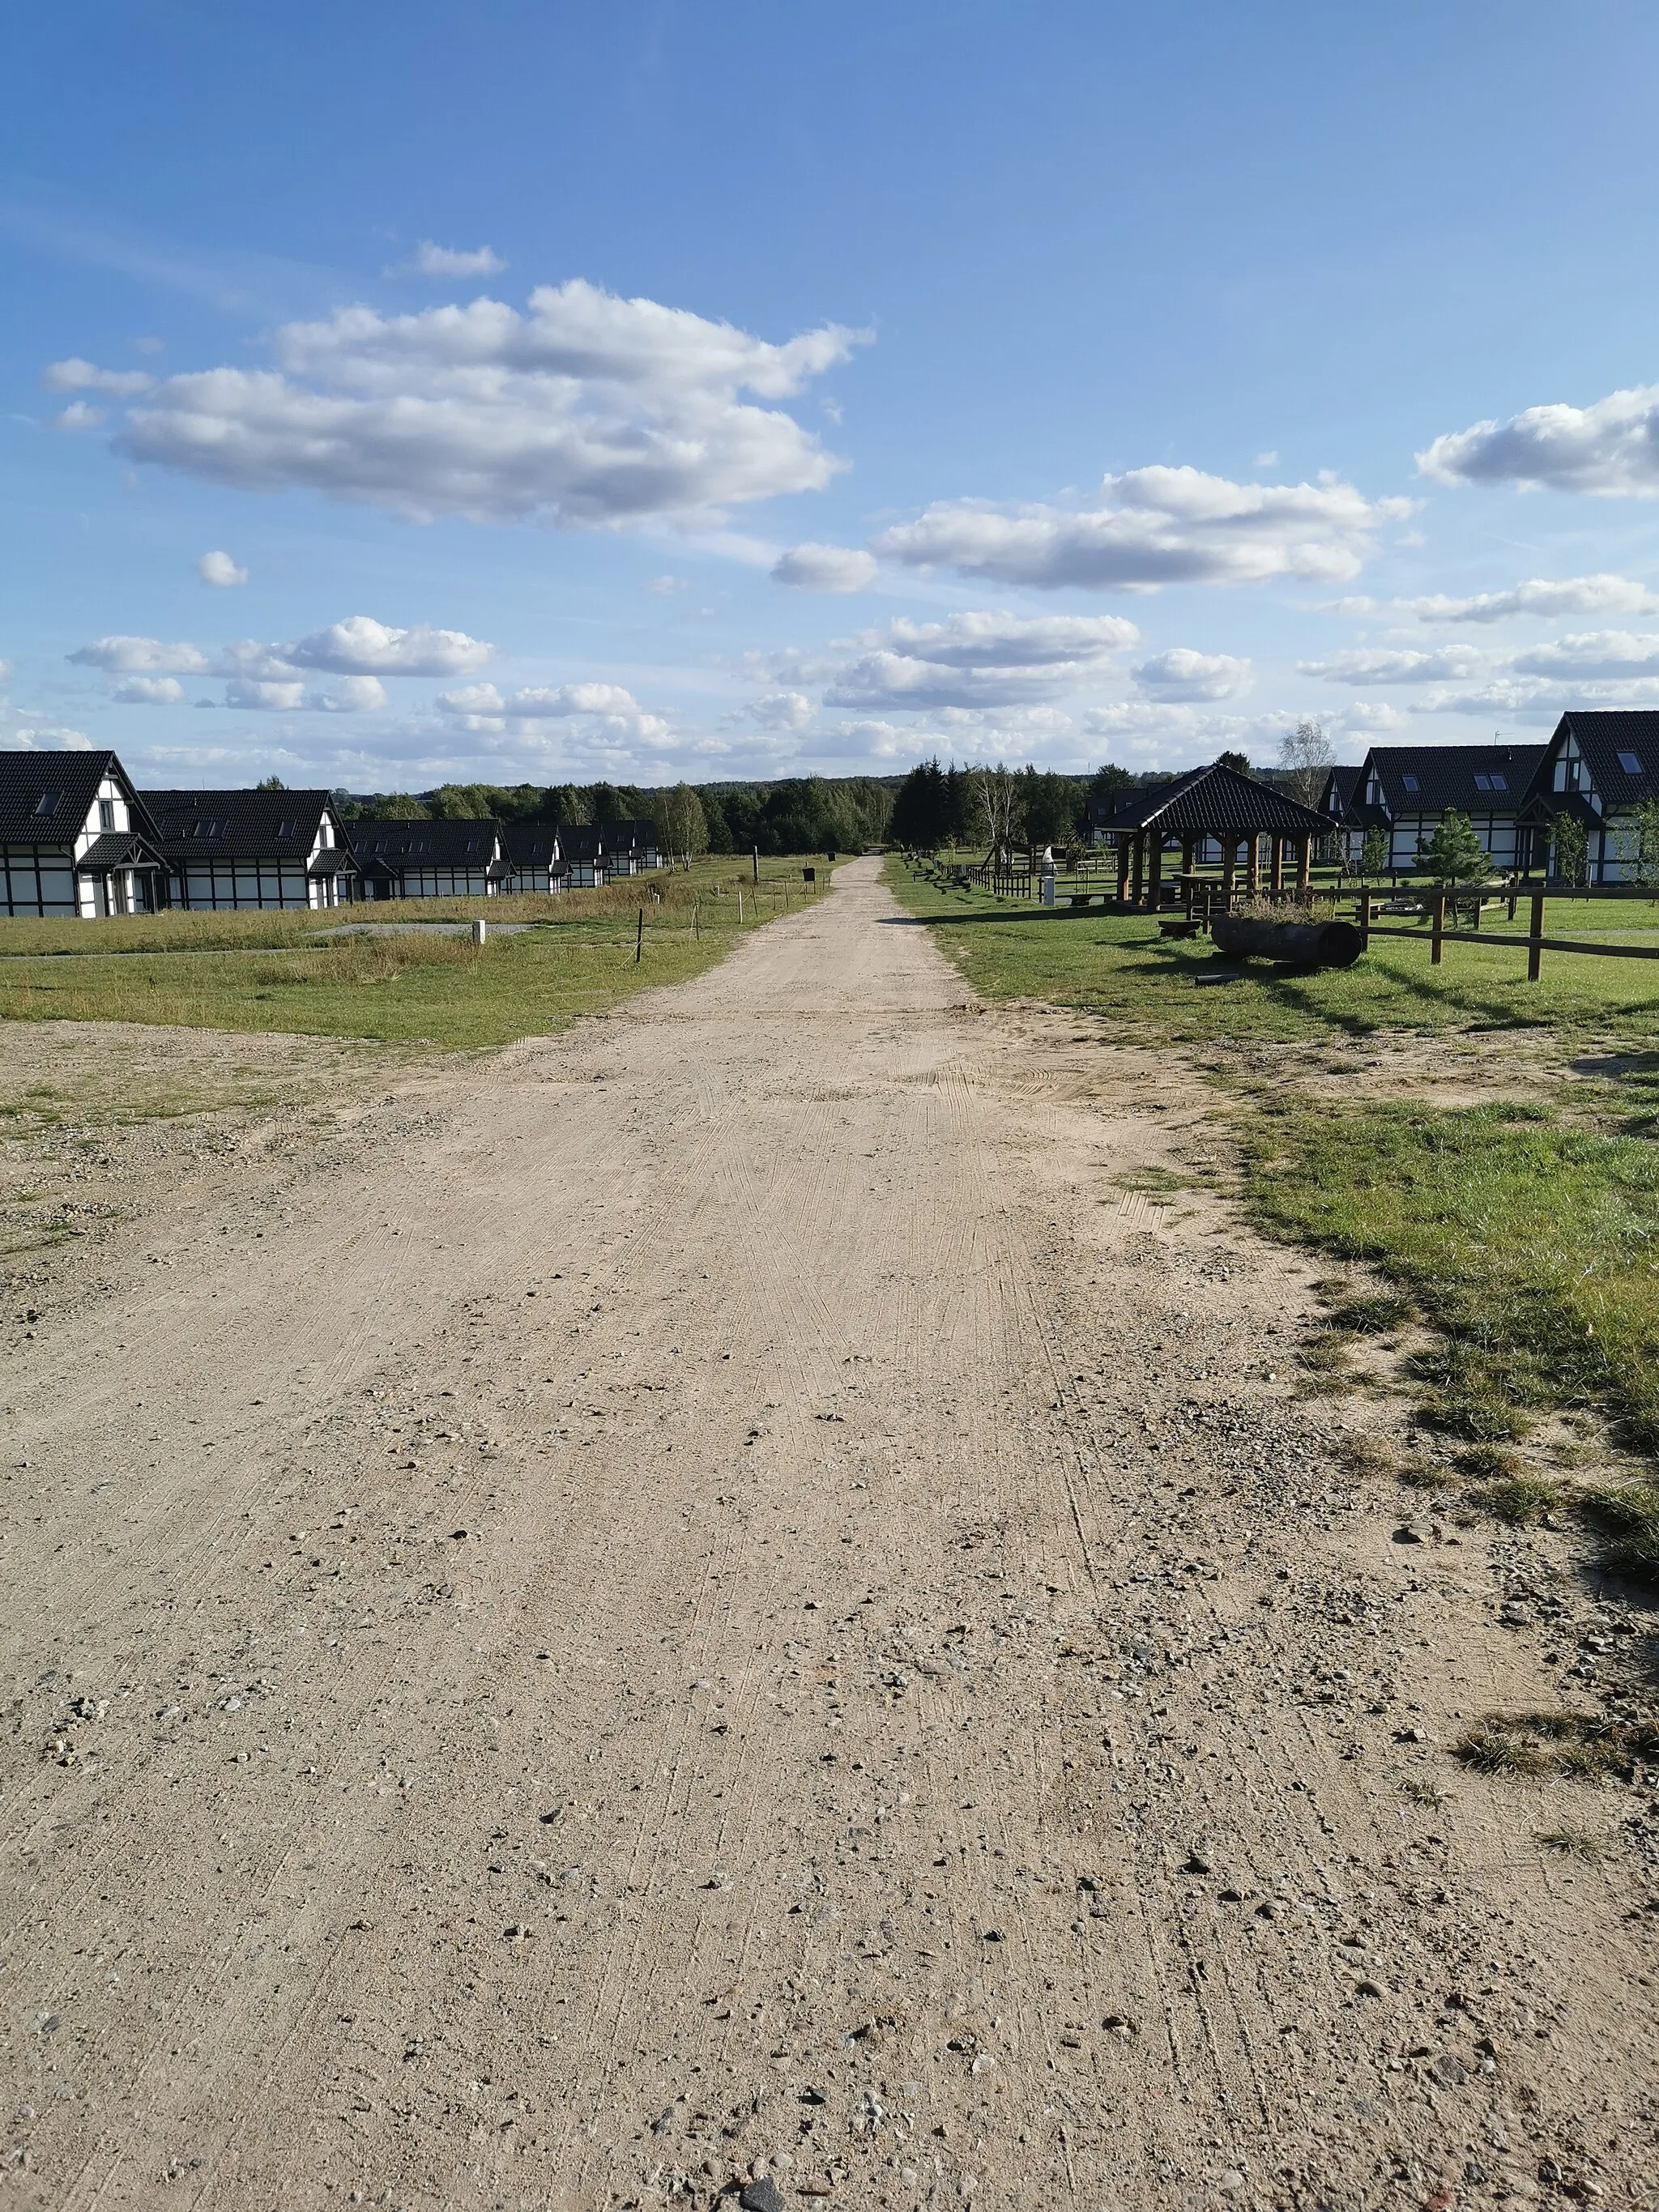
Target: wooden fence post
[1535, 938]
[1438, 928]
[1364, 921]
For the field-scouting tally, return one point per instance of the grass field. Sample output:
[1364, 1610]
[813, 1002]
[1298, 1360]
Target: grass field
[1151, 987]
[283, 972]
[1526, 1235]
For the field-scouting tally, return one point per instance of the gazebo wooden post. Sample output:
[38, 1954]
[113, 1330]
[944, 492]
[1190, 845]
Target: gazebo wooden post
[1303, 867]
[1228, 868]
[1277, 879]
[1123, 845]
[1253, 863]
[1154, 869]
[1139, 863]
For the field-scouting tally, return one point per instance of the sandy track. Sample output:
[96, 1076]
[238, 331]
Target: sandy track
[725, 1595]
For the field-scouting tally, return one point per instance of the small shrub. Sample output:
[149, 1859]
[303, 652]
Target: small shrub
[1572, 1843]
[1629, 1513]
[1424, 1793]
[1519, 1500]
[1492, 1748]
[1363, 1454]
[1490, 1460]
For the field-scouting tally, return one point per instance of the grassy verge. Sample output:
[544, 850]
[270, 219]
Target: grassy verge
[1526, 1236]
[287, 972]
[1150, 987]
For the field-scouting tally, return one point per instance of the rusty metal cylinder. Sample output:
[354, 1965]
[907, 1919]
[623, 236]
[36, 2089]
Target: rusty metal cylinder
[1298, 944]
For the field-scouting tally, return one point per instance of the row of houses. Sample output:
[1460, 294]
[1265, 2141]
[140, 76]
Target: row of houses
[1598, 769]
[77, 839]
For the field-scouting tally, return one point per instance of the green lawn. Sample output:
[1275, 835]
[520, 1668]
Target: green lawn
[1526, 1235]
[1150, 987]
[281, 972]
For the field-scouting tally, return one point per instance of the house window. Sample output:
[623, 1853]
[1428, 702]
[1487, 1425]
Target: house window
[48, 802]
[206, 829]
[1631, 762]
[106, 814]
[1490, 783]
[284, 829]
[1409, 783]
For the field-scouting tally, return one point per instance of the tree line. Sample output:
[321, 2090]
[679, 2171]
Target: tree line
[800, 814]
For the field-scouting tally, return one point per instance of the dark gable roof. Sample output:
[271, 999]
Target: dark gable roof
[26, 778]
[1600, 738]
[1217, 799]
[583, 843]
[115, 849]
[442, 844]
[531, 844]
[245, 825]
[628, 836]
[1444, 776]
[1341, 789]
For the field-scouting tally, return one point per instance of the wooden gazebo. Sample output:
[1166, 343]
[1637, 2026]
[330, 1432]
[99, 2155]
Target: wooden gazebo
[1242, 815]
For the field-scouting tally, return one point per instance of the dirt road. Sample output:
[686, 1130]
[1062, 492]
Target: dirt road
[721, 1597]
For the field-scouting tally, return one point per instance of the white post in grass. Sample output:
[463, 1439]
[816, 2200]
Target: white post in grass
[480, 931]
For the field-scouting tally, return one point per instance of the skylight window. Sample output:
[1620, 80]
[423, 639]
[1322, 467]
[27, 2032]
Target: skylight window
[1493, 782]
[206, 829]
[1632, 764]
[1409, 783]
[285, 829]
[48, 802]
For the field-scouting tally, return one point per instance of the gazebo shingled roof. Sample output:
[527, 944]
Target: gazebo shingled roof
[1217, 802]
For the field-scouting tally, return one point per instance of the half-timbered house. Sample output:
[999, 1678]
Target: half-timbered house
[1335, 802]
[535, 857]
[75, 841]
[630, 847]
[1406, 790]
[428, 860]
[240, 849]
[1597, 769]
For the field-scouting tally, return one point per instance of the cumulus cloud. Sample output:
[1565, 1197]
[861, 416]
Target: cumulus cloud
[977, 662]
[77, 415]
[149, 691]
[1449, 663]
[1610, 449]
[220, 570]
[77, 375]
[482, 706]
[811, 567]
[1537, 595]
[430, 260]
[1151, 527]
[780, 710]
[278, 696]
[1591, 653]
[360, 645]
[587, 411]
[992, 640]
[124, 656]
[352, 694]
[1182, 674]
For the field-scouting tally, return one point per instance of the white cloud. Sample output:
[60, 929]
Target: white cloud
[891, 680]
[1151, 527]
[1372, 717]
[352, 694]
[992, 640]
[1610, 449]
[1537, 595]
[77, 375]
[280, 696]
[220, 570]
[1448, 663]
[811, 567]
[587, 411]
[430, 260]
[1590, 653]
[780, 710]
[149, 691]
[124, 656]
[665, 586]
[77, 415]
[360, 645]
[1182, 674]
[541, 702]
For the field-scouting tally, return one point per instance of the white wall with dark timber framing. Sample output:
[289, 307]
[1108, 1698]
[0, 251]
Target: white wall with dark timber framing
[42, 881]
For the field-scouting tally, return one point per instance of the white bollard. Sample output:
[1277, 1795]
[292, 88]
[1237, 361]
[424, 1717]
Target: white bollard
[480, 931]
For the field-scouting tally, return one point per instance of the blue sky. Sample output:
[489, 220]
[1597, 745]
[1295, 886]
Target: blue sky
[394, 393]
